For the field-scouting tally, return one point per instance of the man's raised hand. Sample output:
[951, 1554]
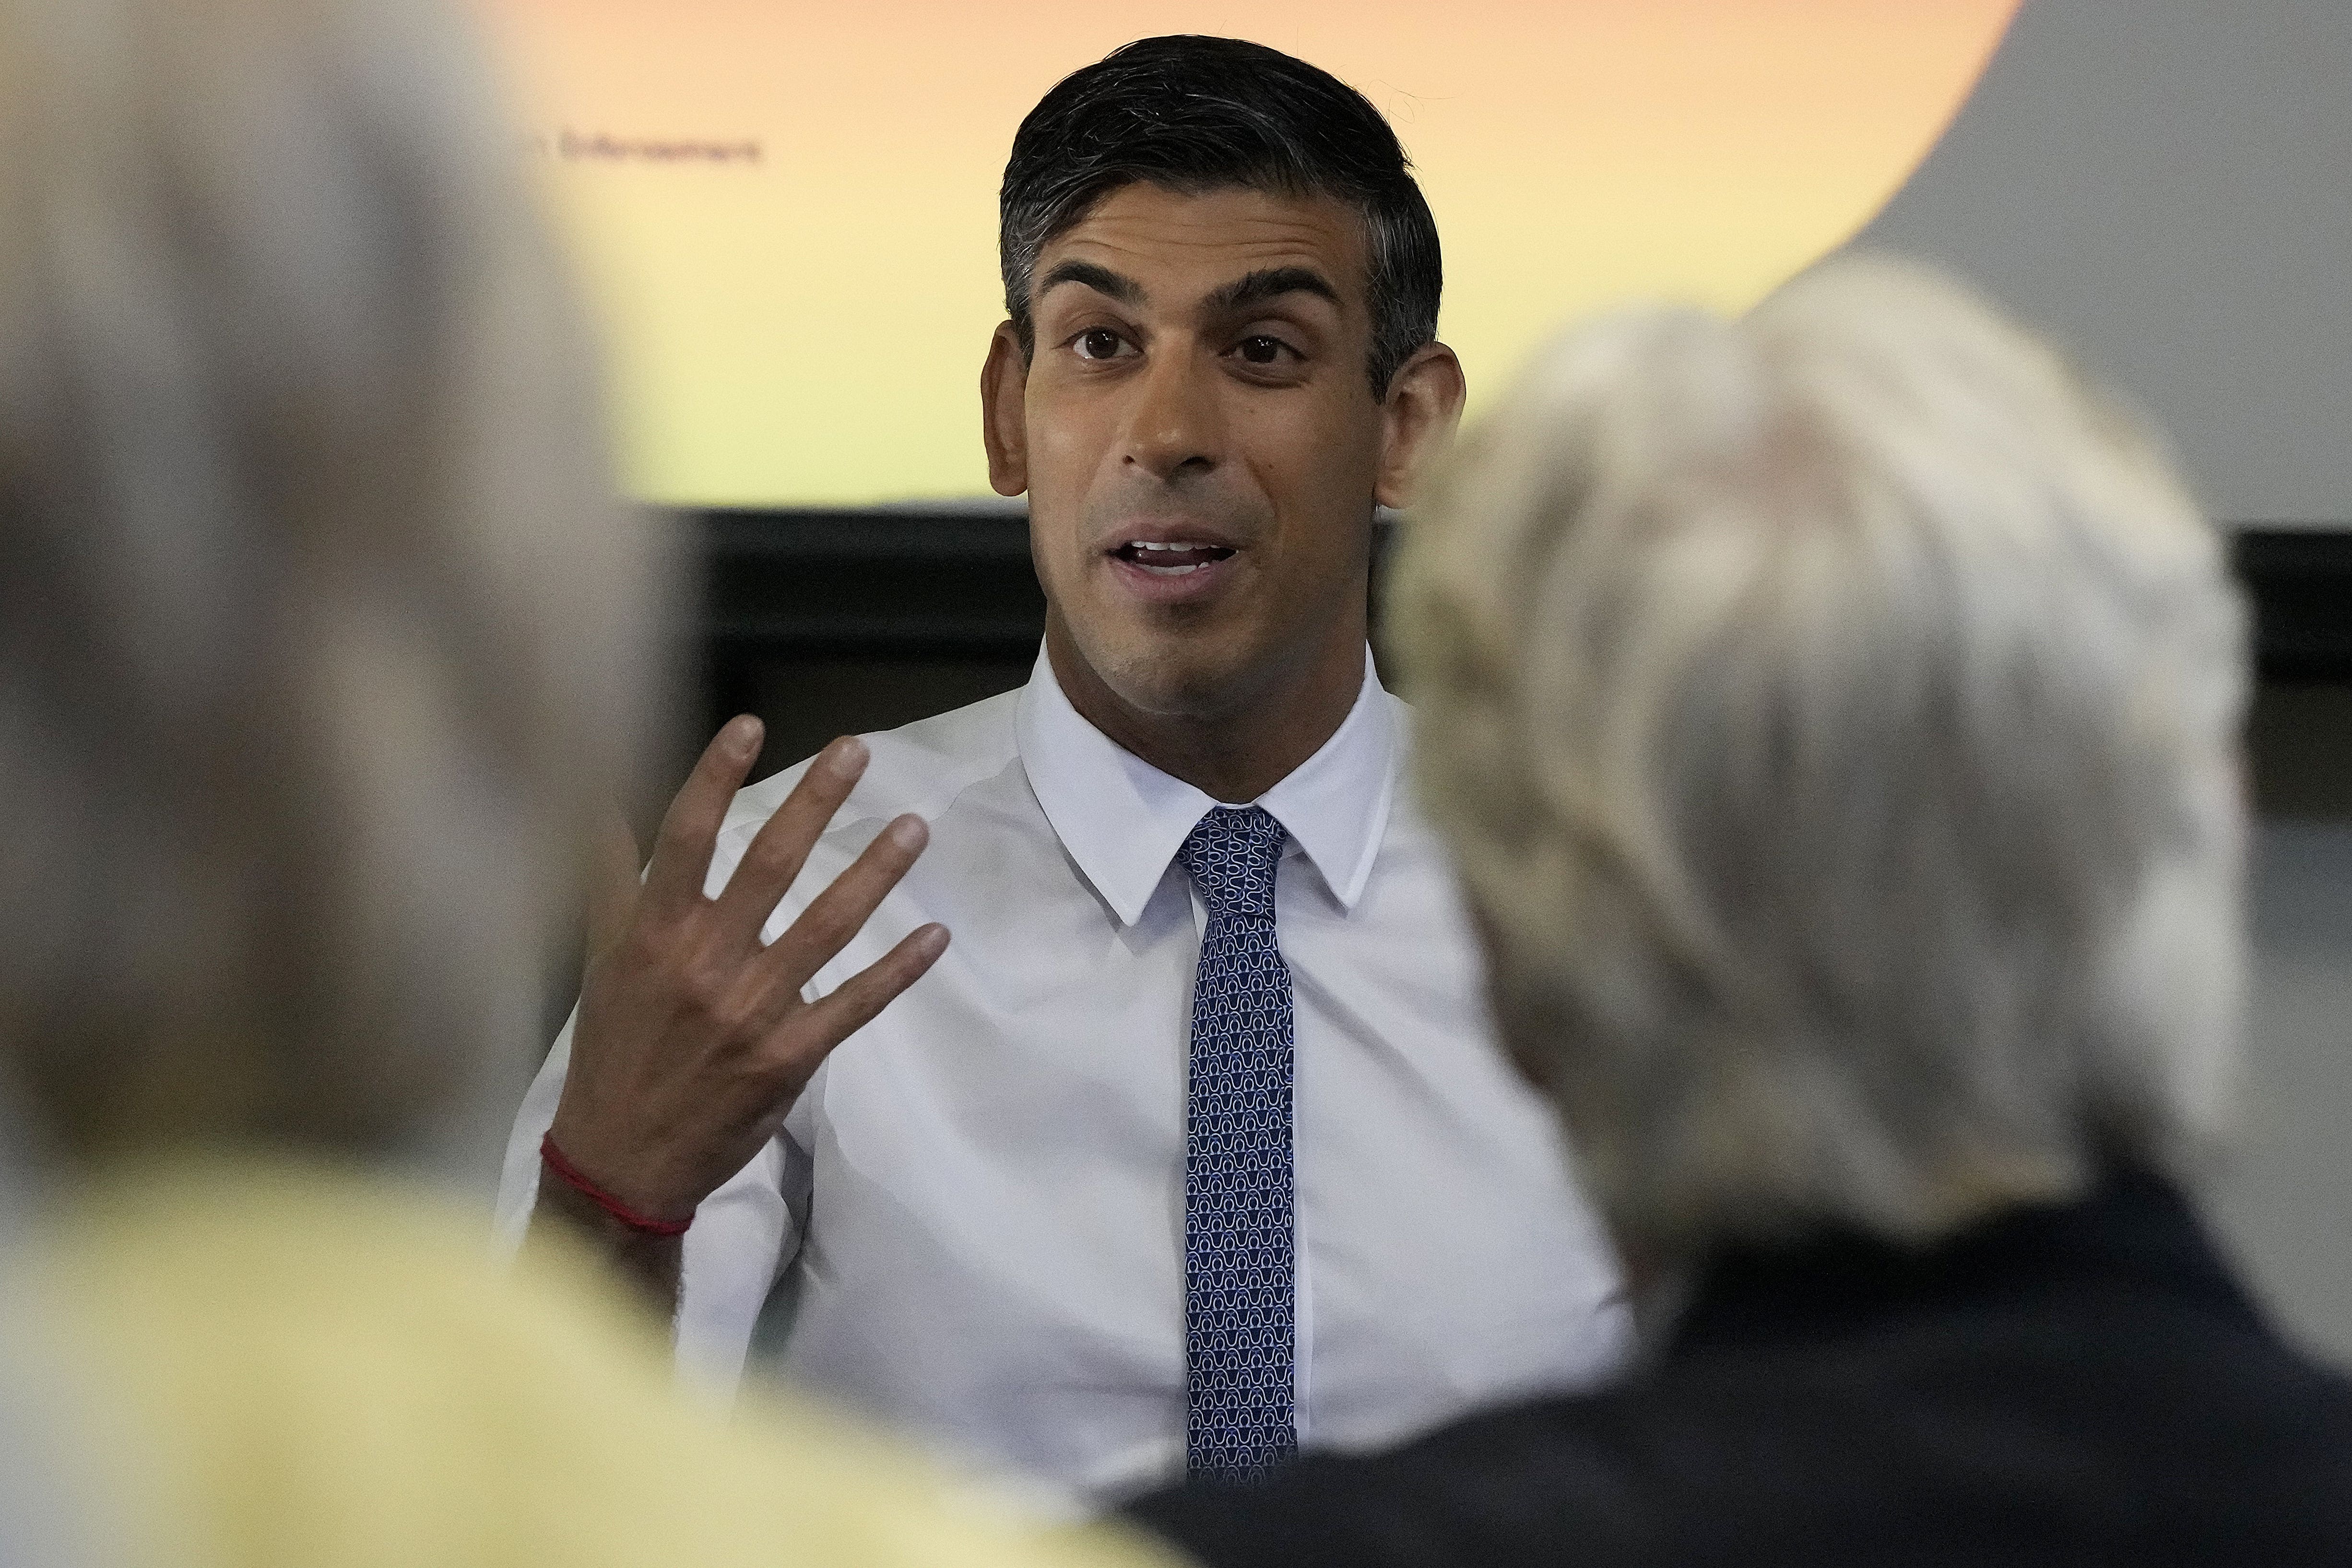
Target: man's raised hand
[692, 1041]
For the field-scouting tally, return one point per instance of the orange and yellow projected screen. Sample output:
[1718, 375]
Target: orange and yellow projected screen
[787, 213]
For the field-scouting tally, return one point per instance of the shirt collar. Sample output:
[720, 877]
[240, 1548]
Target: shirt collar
[1123, 819]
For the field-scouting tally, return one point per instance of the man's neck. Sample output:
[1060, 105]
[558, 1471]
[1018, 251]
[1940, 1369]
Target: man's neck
[1233, 756]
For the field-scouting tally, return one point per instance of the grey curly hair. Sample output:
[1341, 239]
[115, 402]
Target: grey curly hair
[1834, 713]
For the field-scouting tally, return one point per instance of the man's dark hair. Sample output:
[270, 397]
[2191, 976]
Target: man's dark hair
[1195, 114]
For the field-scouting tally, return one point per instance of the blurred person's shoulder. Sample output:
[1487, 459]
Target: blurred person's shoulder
[2078, 1383]
[290, 1364]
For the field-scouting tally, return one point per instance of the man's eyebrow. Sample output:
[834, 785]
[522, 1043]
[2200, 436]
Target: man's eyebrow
[1101, 279]
[1258, 287]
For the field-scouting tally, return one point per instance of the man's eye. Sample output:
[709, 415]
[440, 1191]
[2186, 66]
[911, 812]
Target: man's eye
[1102, 343]
[1262, 351]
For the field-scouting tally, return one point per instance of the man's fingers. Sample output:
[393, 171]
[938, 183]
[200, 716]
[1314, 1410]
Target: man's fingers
[826, 1022]
[612, 879]
[781, 848]
[690, 828]
[837, 914]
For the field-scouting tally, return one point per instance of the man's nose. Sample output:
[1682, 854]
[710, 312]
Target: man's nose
[1177, 424]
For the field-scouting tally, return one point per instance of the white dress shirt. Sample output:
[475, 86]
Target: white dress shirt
[971, 1225]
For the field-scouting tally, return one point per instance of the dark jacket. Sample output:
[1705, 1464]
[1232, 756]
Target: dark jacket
[2075, 1385]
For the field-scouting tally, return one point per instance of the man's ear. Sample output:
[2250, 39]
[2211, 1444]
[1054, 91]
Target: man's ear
[1004, 413]
[1417, 420]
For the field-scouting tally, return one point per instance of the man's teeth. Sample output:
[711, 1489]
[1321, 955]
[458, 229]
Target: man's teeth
[1137, 549]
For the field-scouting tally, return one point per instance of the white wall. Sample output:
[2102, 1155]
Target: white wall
[2284, 1206]
[2167, 186]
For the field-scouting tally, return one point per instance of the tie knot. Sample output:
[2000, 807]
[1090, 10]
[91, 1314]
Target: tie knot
[1231, 856]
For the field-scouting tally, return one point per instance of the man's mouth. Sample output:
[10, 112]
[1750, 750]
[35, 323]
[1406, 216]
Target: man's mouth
[1170, 559]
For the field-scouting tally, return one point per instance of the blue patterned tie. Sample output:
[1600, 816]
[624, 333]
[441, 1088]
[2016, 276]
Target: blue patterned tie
[1240, 1324]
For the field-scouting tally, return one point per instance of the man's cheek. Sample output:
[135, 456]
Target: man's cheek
[1060, 445]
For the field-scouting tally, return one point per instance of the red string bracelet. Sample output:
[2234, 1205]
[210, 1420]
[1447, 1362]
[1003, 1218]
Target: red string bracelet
[577, 1179]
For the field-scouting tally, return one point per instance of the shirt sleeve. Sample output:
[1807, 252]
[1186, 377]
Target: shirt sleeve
[742, 1236]
[519, 1177]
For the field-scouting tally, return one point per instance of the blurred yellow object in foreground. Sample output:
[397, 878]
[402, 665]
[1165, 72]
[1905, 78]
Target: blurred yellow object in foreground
[282, 1365]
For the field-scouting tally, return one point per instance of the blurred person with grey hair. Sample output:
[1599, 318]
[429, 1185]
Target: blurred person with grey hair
[321, 634]
[1834, 713]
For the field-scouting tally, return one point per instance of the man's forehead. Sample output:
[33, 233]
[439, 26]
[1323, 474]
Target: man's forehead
[1193, 243]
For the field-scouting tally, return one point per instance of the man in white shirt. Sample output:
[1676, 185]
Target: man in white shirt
[1194, 1146]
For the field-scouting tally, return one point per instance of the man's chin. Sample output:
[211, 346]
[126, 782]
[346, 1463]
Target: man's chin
[1186, 677]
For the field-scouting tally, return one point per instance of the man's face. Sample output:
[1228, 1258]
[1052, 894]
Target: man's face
[1199, 441]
